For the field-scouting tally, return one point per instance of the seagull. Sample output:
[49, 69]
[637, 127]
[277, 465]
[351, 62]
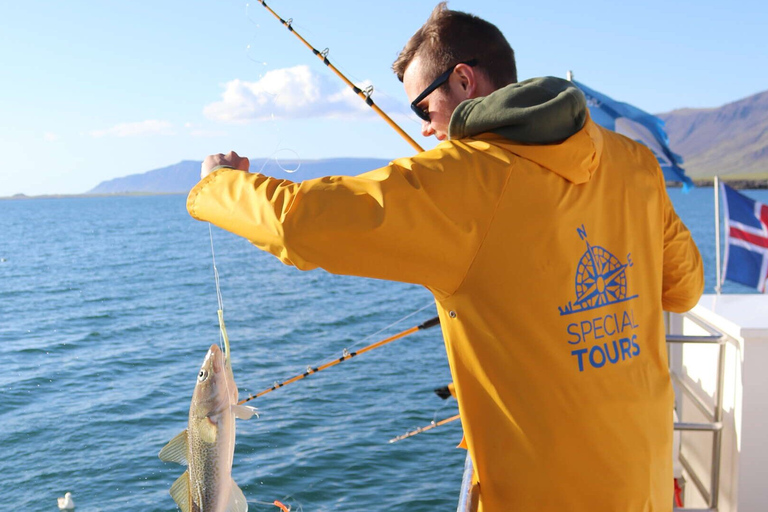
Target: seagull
[66, 503]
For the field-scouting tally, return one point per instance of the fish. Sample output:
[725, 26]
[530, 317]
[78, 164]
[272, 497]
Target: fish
[207, 445]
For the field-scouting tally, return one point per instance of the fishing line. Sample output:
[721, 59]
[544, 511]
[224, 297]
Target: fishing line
[277, 161]
[223, 338]
[250, 55]
[373, 451]
[437, 411]
[393, 103]
[248, 47]
[406, 317]
[215, 271]
[346, 355]
[365, 95]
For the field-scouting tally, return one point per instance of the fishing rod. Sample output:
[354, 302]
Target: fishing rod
[424, 429]
[365, 95]
[444, 392]
[345, 356]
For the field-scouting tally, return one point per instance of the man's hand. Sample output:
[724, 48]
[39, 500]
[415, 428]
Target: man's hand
[231, 159]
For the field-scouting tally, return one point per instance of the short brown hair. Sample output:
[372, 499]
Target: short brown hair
[450, 37]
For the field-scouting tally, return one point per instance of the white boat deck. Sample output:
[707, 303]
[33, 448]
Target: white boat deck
[742, 482]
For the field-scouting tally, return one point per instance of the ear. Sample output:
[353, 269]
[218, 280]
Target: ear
[467, 80]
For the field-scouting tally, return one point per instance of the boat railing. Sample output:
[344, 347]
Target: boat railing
[713, 415]
[466, 501]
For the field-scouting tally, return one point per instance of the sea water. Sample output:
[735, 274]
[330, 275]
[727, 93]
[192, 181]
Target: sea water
[107, 308]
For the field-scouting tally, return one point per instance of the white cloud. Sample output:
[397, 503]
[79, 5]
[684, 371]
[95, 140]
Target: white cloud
[289, 93]
[149, 127]
[51, 137]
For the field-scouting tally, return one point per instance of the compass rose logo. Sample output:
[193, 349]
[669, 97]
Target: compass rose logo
[601, 279]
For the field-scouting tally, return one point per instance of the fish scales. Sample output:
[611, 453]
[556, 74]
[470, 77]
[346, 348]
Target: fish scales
[207, 446]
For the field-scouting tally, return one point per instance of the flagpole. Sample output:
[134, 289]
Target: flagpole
[718, 283]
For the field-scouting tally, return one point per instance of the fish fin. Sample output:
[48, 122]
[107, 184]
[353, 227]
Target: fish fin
[208, 430]
[176, 450]
[237, 501]
[180, 492]
[244, 412]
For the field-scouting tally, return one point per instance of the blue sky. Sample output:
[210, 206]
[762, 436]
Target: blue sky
[95, 90]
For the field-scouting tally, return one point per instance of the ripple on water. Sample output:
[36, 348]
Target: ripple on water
[105, 327]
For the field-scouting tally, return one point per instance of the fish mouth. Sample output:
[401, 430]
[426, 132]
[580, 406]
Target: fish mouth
[217, 358]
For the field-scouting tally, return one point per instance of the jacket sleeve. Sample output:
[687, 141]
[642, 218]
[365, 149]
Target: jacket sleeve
[683, 272]
[419, 220]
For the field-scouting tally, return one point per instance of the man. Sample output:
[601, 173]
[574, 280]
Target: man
[551, 248]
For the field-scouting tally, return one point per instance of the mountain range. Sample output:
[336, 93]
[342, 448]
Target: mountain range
[730, 141]
[181, 177]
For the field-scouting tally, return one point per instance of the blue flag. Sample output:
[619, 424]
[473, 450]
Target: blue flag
[746, 248]
[638, 125]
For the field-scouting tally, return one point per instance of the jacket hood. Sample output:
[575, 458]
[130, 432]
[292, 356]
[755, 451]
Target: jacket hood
[542, 119]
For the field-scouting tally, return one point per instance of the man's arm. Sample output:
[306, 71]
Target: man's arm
[683, 273]
[418, 220]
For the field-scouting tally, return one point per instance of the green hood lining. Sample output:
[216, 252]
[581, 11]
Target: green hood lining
[537, 111]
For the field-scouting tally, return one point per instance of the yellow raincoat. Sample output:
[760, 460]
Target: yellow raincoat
[550, 265]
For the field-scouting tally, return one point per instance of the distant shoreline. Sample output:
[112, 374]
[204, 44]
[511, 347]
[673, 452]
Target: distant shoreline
[738, 184]
[734, 183]
[22, 197]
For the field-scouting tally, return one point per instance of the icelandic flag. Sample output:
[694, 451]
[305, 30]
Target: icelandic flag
[639, 126]
[746, 249]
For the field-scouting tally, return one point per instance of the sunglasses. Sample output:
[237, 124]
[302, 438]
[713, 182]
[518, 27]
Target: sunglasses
[424, 114]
